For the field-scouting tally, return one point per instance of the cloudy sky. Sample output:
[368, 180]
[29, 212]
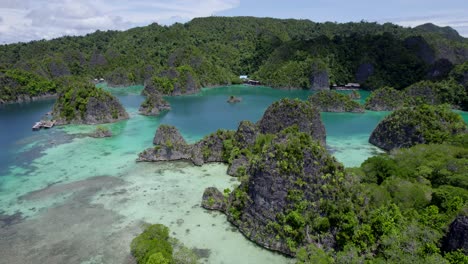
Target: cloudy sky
[25, 20]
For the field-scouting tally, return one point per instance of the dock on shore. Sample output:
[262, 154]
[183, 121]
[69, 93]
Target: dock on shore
[43, 124]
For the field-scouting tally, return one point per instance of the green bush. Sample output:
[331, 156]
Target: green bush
[152, 245]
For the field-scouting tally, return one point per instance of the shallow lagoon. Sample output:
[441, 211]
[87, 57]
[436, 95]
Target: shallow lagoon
[75, 199]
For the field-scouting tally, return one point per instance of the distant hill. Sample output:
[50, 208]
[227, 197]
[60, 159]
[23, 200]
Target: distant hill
[216, 50]
[447, 32]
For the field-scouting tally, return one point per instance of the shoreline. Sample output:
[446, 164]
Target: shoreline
[28, 99]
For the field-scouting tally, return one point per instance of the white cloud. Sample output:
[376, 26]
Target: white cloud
[45, 19]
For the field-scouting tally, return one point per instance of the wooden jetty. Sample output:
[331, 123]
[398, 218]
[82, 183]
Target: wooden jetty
[43, 124]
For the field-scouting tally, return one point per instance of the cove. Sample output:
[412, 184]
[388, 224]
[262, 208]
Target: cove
[75, 199]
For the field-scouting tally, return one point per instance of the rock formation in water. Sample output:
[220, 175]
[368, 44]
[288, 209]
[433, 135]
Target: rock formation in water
[286, 172]
[171, 146]
[283, 191]
[385, 99]
[86, 104]
[423, 124]
[213, 199]
[424, 92]
[101, 132]
[288, 112]
[331, 101]
[153, 105]
[354, 95]
[457, 236]
[218, 146]
[233, 99]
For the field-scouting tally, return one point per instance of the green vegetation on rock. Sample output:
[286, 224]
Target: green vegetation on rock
[20, 85]
[83, 103]
[435, 93]
[385, 99]
[331, 101]
[154, 246]
[417, 125]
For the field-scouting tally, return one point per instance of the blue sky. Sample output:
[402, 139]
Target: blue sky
[24, 20]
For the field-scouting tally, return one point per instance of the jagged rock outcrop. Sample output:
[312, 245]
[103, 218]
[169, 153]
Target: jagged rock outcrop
[119, 78]
[423, 124]
[233, 147]
[168, 135]
[97, 59]
[385, 99]
[213, 199]
[364, 71]
[88, 105]
[440, 69]
[101, 132]
[153, 105]
[238, 166]
[319, 79]
[422, 48]
[457, 236]
[425, 92]
[211, 147]
[285, 184]
[354, 95]
[171, 146]
[331, 101]
[58, 69]
[233, 99]
[289, 112]
[173, 82]
[246, 134]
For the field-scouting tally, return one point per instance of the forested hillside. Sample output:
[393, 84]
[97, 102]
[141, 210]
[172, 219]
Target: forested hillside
[280, 53]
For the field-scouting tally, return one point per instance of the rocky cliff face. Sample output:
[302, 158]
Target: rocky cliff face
[107, 111]
[439, 70]
[217, 147]
[58, 69]
[423, 92]
[422, 49]
[171, 146]
[364, 71]
[153, 105]
[407, 127]
[385, 99]
[119, 78]
[331, 101]
[288, 112]
[87, 106]
[172, 82]
[246, 134]
[213, 199]
[285, 183]
[457, 236]
[286, 172]
[319, 80]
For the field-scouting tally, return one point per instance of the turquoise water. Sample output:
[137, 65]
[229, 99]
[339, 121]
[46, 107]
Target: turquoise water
[75, 199]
